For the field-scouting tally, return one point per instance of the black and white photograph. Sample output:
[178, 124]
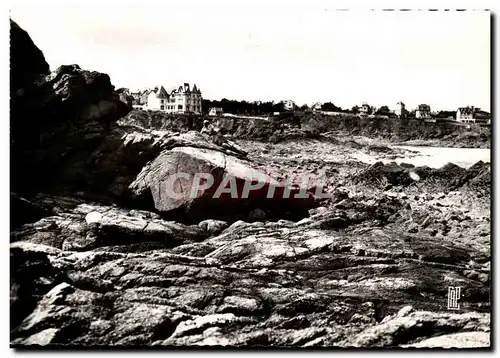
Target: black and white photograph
[188, 174]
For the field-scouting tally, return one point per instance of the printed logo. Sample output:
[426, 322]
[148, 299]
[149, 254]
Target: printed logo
[453, 297]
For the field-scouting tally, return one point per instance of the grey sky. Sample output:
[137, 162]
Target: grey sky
[275, 52]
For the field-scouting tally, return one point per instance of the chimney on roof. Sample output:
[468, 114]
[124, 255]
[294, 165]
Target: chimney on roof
[186, 87]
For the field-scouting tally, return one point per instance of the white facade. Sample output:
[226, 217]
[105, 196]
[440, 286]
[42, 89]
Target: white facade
[289, 105]
[400, 109]
[153, 102]
[180, 100]
[156, 99]
[423, 111]
[364, 109]
[316, 106]
[215, 111]
[465, 115]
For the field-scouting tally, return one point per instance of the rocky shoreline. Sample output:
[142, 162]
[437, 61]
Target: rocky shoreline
[99, 257]
[295, 125]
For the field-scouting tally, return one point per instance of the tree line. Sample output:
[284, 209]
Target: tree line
[264, 108]
[260, 107]
[243, 107]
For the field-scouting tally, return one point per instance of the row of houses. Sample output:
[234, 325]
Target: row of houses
[469, 114]
[182, 99]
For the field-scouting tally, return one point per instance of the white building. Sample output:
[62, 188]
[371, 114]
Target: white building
[465, 115]
[157, 99]
[288, 105]
[364, 109]
[316, 106]
[215, 111]
[423, 111]
[180, 100]
[400, 109]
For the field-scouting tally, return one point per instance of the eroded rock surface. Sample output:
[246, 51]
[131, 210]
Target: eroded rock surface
[110, 276]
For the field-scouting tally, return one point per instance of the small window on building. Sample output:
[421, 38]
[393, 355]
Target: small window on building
[179, 106]
[162, 107]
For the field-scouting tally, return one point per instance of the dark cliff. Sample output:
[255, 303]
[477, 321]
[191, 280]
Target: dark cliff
[56, 119]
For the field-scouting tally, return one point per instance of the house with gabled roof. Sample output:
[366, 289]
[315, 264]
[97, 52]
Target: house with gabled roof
[423, 111]
[316, 106]
[157, 98]
[471, 114]
[182, 99]
[465, 114]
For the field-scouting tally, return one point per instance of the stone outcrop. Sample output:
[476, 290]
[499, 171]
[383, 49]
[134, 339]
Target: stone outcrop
[27, 63]
[57, 119]
[230, 178]
[304, 125]
[81, 226]
[274, 284]
[449, 177]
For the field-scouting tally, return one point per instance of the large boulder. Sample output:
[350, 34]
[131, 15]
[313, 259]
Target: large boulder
[171, 180]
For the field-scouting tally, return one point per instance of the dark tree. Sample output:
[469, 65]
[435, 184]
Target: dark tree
[384, 110]
[330, 107]
[278, 107]
[446, 114]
